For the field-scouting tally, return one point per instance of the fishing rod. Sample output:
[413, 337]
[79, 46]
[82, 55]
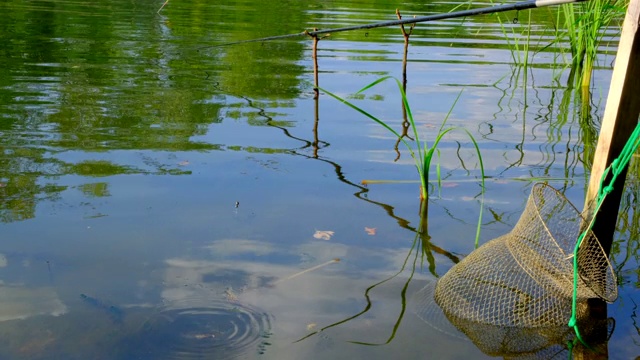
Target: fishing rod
[523, 5]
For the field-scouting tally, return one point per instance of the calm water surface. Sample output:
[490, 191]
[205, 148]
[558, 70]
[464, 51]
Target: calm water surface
[159, 196]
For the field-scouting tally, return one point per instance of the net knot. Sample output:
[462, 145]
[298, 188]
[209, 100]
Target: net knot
[607, 189]
[573, 321]
[615, 165]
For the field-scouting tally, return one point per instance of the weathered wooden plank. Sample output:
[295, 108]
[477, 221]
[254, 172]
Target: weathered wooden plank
[620, 119]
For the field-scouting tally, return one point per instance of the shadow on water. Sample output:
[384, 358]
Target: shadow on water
[519, 341]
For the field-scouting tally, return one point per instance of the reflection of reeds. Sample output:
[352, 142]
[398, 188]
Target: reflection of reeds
[583, 25]
[564, 114]
[421, 249]
[162, 7]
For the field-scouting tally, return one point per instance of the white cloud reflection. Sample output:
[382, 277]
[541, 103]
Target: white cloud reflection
[19, 302]
[300, 303]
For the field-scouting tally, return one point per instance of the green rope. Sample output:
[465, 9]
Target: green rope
[616, 168]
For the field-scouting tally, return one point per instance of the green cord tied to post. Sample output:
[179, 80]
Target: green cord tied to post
[616, 168]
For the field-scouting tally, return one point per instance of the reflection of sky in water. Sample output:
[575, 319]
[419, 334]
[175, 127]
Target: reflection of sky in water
[300, 304]
[140, 256]
[19, 302]
[159, 246]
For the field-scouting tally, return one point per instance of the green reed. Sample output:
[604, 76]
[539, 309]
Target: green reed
[582, 25]
[583, 28]
[420, 151]
[518, 42]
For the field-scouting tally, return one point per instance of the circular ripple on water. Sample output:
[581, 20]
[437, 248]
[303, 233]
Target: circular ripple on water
[220, 330]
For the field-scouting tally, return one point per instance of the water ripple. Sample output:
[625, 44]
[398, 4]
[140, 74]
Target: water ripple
[221, 330]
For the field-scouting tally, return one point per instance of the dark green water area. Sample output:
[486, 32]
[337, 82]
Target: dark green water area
[164, 198]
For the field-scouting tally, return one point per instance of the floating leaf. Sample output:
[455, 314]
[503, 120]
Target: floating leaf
[370, 231]
[323, 234]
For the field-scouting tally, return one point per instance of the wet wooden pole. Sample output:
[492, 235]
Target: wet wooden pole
[620, 119]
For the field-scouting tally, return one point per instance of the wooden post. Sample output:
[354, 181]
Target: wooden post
[620, 119]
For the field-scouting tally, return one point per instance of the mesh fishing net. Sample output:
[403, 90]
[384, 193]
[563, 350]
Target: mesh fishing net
[513, 294]
[516, 342]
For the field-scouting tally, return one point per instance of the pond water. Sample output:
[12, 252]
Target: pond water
[164, 197]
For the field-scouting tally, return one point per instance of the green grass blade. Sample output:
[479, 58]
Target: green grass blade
[365, 113]
[446, 118]
[382, 79]
[475, 145]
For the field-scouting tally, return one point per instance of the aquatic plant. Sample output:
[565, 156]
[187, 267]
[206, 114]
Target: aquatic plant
[518, 43]
[420, 151]
[582, 25]
[584, 28]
